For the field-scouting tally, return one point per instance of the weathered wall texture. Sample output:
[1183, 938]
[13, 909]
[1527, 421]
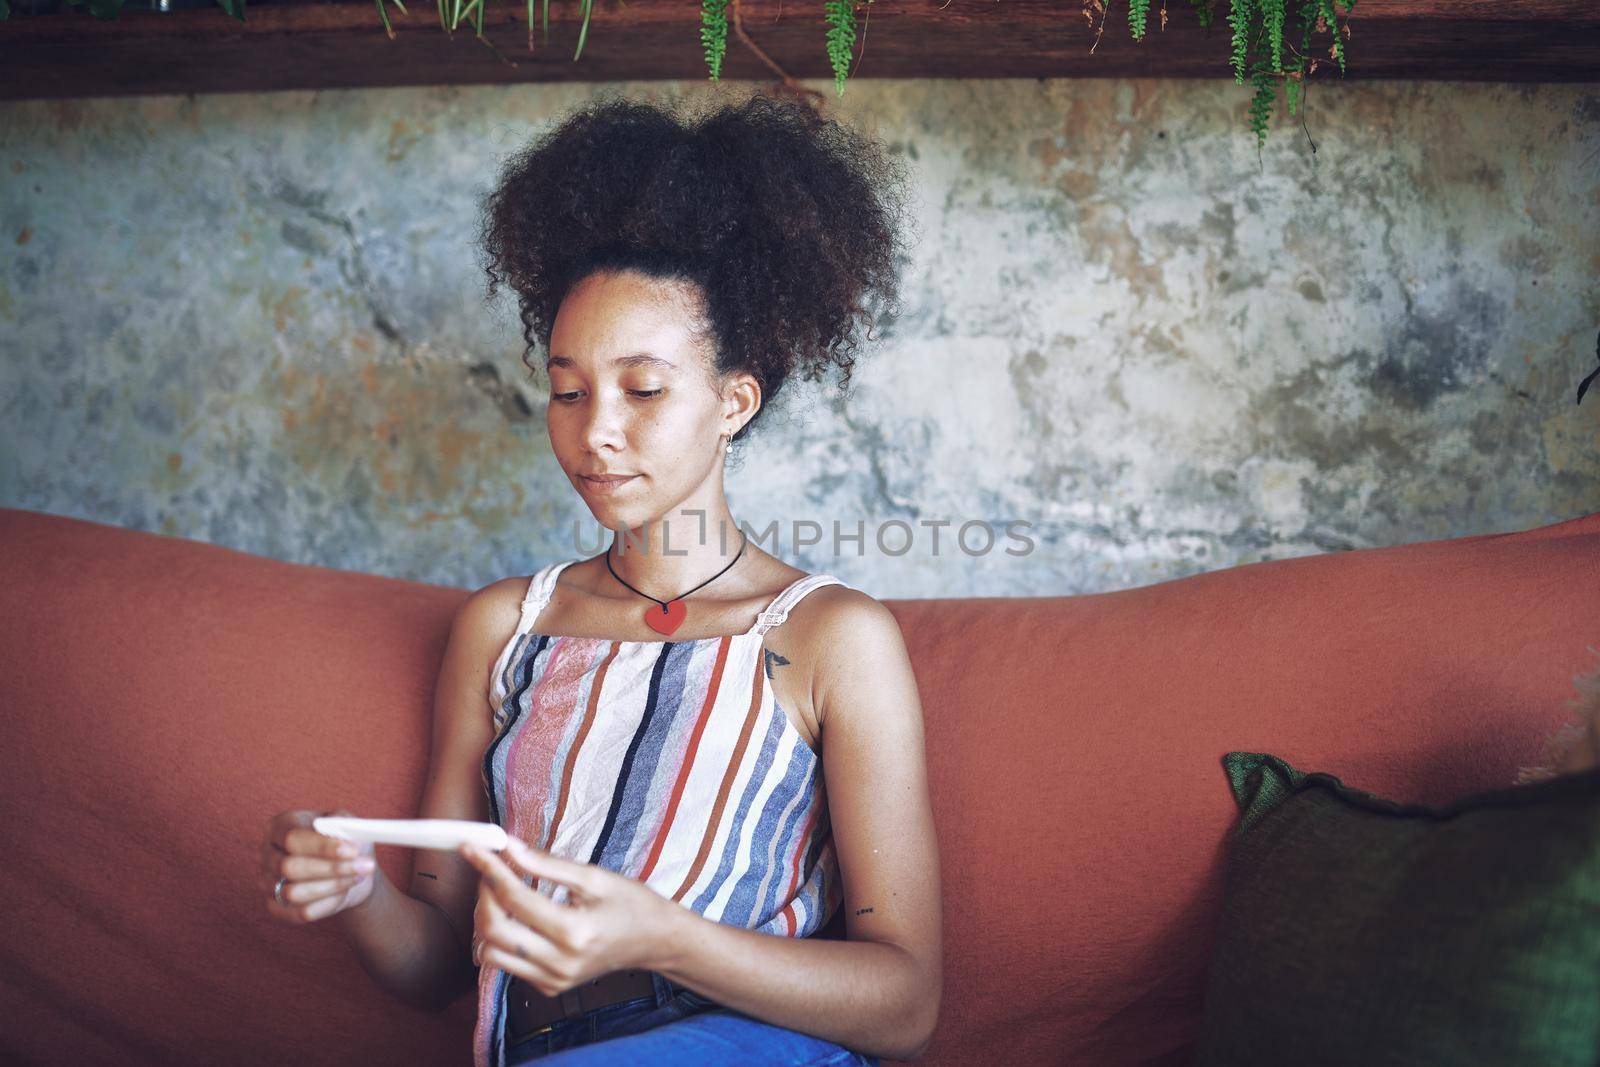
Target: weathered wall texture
[259, 320]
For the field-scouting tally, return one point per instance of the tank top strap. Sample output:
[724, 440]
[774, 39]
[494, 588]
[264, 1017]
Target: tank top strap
[778, 610]
[539, 589]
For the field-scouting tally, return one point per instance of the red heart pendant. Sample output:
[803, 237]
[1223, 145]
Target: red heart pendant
[665, 620]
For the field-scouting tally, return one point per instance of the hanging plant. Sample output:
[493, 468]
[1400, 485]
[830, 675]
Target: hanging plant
[1261, 29]
[1253, 20]
[1260, 32]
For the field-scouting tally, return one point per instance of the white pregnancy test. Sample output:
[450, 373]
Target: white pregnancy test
[447, 835]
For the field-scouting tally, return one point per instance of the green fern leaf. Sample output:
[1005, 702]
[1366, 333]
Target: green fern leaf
[714, 34]
[1137, 12]
[1291, 87]
[1240, 14]
[1272, 14]
[1261, 103]
[1308, 21]
[1333, 24]
[841, 18]
[1202, 9]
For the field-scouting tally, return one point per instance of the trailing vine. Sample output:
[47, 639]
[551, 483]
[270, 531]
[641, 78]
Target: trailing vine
[1137, 10]
[841, 19]
[1259, 32]
[714, 34]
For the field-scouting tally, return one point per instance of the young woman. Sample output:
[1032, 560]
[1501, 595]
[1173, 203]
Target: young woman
[702, 754]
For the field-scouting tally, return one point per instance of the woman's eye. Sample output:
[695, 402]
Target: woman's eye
[643, 394]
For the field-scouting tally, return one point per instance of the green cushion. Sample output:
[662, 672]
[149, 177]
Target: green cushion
[1355, 930]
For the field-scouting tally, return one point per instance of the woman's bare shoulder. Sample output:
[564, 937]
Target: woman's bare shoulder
[842, 612]
[851, 644]
[833, 622]
[492, 612]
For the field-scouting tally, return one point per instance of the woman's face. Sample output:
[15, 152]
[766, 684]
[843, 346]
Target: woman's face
[632, 393]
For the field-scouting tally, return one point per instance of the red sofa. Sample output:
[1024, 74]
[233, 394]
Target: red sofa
[164, 697]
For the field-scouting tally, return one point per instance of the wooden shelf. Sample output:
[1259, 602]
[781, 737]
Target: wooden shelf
[343, 45]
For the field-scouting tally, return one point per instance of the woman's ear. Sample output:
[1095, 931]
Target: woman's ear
[741, 399]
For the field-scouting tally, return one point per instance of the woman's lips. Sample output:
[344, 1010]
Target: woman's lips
[607, 485]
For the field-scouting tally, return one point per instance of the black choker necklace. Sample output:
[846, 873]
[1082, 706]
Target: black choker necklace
[672, 612]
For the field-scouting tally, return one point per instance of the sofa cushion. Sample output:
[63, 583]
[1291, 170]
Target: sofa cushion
[1358, 930]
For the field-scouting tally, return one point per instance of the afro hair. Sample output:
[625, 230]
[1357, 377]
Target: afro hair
[787, 222]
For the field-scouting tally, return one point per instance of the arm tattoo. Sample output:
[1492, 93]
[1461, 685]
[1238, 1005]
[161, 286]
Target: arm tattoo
[863, 911]
[771, 659]
[425, 874]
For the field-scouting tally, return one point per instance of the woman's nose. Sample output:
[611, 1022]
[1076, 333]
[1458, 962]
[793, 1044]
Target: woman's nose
[603, 428]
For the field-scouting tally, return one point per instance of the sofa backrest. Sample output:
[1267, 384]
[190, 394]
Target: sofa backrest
[1076, 745]
[164, 697]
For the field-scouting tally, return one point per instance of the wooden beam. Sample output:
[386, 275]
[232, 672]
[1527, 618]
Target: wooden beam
[343, 45]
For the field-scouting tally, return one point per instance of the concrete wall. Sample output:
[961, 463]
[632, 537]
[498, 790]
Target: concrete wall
[259, 320]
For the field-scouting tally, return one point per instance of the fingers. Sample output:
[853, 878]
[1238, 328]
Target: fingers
[309, 901]
[300, 867]
[501, 916]
[516, 948]
[319, 908]
[305, 841]
[575, 876]
[320, 873]
[293, 834]
[529, 968]
[510, 897]
[300, 894]
[496, 925]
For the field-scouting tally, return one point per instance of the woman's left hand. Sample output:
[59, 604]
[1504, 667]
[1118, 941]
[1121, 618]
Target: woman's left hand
[609, 923]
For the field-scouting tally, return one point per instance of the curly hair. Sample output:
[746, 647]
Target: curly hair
[787, 223]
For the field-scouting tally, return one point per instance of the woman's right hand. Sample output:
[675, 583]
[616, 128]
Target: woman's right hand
[324, 875]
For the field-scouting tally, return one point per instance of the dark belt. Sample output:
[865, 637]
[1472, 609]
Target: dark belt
[530, 1013]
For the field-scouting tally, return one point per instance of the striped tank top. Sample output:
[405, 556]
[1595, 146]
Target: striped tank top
[666, 761]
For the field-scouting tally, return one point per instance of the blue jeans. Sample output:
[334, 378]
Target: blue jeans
[678, 1026]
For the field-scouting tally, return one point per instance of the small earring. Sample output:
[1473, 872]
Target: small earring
[728, 447]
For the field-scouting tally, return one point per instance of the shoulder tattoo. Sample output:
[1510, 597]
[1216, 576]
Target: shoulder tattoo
[773, 659]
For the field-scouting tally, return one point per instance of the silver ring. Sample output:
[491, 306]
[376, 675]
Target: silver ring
[277, 891]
